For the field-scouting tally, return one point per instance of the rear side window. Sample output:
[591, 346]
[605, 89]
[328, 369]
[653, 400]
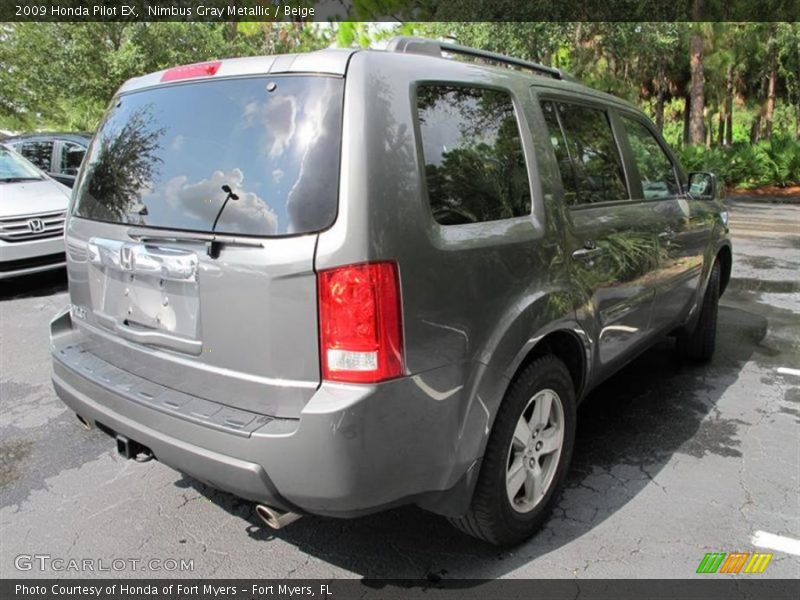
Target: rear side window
[656, 170]
[39, 153]
[588, 157]
[253, 156]
[474, 161]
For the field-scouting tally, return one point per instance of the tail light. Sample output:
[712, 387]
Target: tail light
[360, 318]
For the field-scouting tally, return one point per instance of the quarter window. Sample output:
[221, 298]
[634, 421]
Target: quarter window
[474, 160]
[655, 168]
[588, 157]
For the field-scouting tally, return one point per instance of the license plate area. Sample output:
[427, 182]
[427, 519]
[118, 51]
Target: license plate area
[135, 287]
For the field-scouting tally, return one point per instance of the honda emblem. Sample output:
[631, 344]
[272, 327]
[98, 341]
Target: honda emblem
[36, 225]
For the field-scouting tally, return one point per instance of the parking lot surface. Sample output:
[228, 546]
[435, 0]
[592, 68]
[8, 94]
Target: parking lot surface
[671, 461]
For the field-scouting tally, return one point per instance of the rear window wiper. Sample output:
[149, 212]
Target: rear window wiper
[214, 242]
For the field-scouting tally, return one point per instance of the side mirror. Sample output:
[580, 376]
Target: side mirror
[702, 185]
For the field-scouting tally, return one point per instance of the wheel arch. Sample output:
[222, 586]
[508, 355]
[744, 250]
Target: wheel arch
[568, 347]
[566, 342]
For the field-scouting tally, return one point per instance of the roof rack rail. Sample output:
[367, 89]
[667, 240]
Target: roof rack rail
[416, 45]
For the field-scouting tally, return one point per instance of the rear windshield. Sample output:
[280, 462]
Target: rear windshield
[254, 156]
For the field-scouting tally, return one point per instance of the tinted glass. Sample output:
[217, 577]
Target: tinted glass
[474, 161]
[255, 156]
[559, 144]
[71, 157]
[39, 153]
[655, 168]
[588, 157]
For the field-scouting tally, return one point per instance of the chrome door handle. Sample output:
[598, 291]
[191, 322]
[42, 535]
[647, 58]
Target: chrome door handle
[666, 235]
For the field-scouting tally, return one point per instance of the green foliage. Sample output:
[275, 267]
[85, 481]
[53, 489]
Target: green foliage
[773, 162]
[782, 161]
[62, 75]
[352, 33]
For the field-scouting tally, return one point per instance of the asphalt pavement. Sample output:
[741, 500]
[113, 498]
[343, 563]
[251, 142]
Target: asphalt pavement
[672, 461]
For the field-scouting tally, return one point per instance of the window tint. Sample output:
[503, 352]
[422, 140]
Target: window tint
[474, 162]
[39, 153]
[655, 168]
[254, 156]
[71, 157]
[588, 158]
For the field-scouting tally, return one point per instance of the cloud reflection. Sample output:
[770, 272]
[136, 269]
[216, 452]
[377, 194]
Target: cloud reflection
[202, 199]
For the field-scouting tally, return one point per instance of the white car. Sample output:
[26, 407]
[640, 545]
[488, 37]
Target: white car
[33, 208]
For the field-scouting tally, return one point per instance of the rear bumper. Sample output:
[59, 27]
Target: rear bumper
[355, 449]
[97, 407]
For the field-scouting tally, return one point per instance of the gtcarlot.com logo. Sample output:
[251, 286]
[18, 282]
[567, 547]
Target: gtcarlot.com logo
[46, 562]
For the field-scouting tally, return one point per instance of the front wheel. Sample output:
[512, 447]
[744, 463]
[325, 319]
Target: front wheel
[527, 456]
[700, 343]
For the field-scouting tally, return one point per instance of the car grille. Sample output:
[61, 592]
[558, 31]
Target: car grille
[22, 228]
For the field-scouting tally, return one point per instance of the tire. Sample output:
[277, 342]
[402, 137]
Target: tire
[700, 343]
[493, 515]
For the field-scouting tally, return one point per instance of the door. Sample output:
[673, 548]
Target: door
[684, 227]
[191, 243]
[611, 239]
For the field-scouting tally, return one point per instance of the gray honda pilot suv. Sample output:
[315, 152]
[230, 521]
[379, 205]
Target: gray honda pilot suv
[337, 282]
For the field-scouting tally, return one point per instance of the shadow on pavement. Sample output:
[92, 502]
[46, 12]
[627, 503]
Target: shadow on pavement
[628, 430]
[46, 283]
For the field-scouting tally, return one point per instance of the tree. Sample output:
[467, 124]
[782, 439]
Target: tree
[697, 89]
[711, 81]
[79, 66]
[772, 52]
[788, 36]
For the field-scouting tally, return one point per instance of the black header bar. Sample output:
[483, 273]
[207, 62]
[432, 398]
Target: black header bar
[398, 10]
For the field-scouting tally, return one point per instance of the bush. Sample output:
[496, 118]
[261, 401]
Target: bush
[773, 162]
[781, 157]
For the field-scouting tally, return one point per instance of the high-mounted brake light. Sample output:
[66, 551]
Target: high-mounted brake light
[206, 69]
[360, 322]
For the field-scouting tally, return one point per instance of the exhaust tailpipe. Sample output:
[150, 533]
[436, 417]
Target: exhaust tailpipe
[84, 423]
[275, 518]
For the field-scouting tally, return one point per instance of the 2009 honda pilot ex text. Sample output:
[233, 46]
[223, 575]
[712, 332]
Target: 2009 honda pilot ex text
[337, 282]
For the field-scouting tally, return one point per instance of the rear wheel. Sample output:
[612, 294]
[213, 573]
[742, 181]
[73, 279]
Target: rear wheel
[700, 343]
[527, 456]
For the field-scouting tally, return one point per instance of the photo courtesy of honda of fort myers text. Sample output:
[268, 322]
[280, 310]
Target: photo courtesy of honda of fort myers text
[215, 589]
[399, 299]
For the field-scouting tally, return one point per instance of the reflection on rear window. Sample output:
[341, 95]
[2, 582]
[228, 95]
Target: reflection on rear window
[255, 156]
